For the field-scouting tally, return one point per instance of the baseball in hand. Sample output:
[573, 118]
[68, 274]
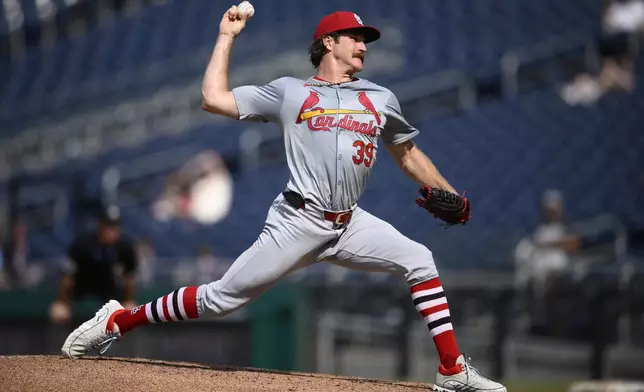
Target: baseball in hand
[246, 8]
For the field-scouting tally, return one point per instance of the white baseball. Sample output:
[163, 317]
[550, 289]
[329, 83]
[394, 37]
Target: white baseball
[246, 8]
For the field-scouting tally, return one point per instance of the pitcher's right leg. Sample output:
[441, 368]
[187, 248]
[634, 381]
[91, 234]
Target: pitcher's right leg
[288, 241]
[274, 255]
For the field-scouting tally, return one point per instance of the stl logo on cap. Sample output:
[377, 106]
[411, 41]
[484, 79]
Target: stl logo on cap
[358, 19]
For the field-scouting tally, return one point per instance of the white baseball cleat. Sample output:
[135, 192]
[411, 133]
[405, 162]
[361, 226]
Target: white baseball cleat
[465, 378]
[96, 332]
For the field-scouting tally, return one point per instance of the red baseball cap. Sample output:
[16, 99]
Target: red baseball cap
[345, 20]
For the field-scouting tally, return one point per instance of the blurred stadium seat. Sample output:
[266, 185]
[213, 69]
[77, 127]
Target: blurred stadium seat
[175, 38]
[518, 147]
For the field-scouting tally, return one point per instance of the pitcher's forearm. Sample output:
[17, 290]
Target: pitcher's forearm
[422, 170]
[216, 76]
[215, 94]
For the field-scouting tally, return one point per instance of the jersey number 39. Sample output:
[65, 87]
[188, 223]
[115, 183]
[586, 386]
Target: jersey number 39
[364, 153]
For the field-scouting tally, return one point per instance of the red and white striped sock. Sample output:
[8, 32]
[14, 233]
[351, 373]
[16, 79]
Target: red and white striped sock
[431, 302]
[179, 305]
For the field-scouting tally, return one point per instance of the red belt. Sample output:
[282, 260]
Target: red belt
[339, 218]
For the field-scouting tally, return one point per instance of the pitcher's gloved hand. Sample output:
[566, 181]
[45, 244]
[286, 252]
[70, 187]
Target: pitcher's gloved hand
[449, 207]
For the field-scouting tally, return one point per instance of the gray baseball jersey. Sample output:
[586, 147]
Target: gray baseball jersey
[331, 134]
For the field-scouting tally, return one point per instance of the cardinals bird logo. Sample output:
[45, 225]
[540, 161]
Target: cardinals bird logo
[366, 102]
[310, 102]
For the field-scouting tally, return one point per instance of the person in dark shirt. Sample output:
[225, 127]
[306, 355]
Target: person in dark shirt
[100, 265]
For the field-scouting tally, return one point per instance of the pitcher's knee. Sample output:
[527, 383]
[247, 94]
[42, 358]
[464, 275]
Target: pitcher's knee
[216, 300]
[421, 266]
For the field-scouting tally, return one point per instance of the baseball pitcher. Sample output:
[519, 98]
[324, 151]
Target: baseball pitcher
[333, 124]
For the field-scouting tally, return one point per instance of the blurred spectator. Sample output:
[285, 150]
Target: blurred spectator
[174, 201]
[543, 260]
[101, 264]
[616, 75]
[15, 255]
[547, 250]
[200, 190]
[624, 16]
[583, 90]
[621, 19]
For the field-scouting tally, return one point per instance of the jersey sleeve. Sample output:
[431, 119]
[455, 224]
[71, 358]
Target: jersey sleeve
[260, 103]
[397, 130]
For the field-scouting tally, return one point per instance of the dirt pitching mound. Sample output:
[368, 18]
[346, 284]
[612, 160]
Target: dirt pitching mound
[109, 374]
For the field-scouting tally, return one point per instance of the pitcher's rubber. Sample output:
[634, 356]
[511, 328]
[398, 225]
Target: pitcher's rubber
[108, 374]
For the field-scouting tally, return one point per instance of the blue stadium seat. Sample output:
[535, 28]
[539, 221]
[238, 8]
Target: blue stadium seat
[436, 36]
[503, 154]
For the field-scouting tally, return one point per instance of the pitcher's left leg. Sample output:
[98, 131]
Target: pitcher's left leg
[371, 244]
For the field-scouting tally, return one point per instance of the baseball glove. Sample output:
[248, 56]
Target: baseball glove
[449, 207]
